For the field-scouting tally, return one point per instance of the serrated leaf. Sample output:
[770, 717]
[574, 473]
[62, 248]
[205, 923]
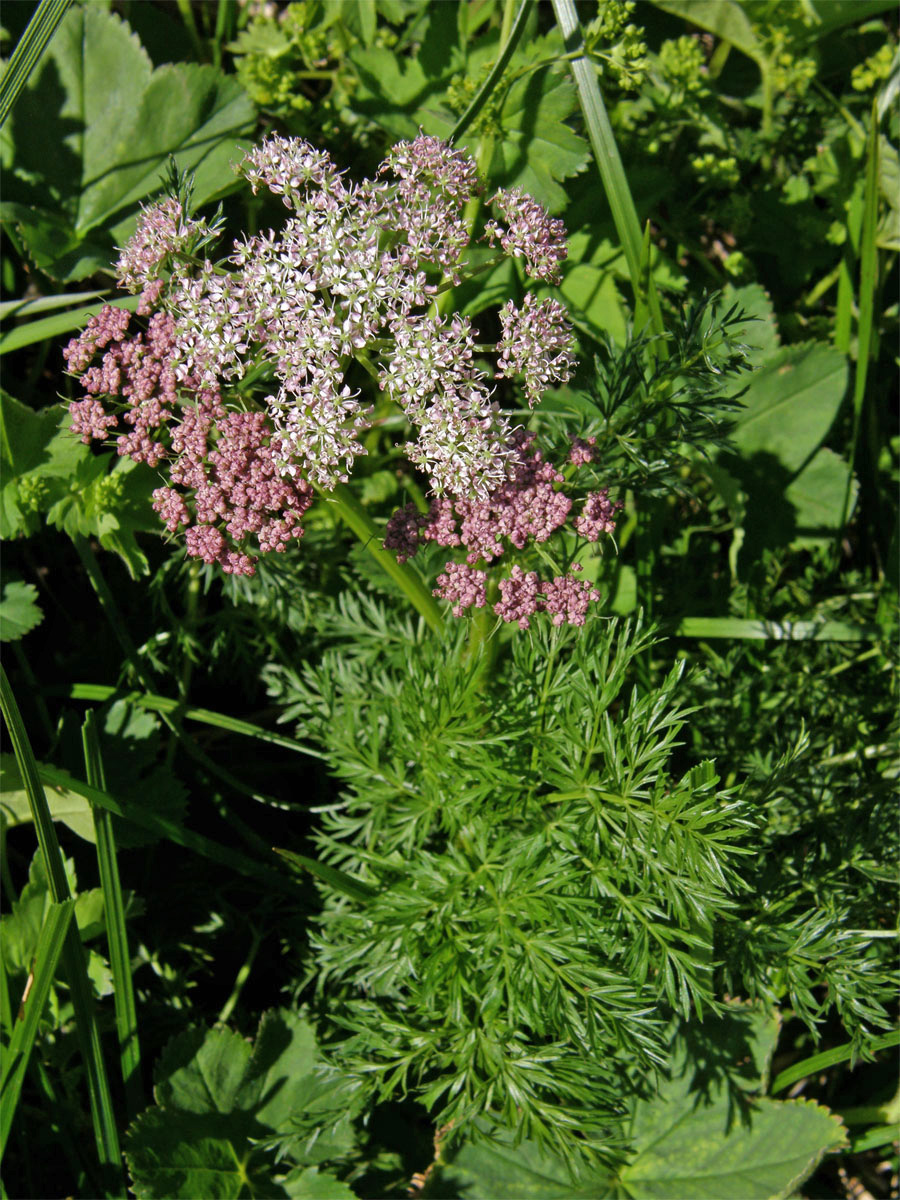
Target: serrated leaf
[790, 404]
[725, 18]
[24, 435]
[760, 334]
[65, 806]
[188, 1156]
[202, 1071]
[692, 1150]
[309, 1183]
[219, 1102]
[19, 611]
[538, 149]
[485, 1170]
[92, 134]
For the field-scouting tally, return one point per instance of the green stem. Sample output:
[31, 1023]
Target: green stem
[187, 15]
[355, 516]
[73, 958]
[116, 933]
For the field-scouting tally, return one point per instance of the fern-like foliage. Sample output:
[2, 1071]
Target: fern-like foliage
[546, 887]
[661, 402]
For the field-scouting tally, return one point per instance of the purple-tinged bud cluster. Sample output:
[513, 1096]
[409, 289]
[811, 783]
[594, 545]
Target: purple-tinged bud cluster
[225, 482]
[582, 451]
[163, 231]
[530, 234]
[598, 516]
[537, 343]
[526, 508]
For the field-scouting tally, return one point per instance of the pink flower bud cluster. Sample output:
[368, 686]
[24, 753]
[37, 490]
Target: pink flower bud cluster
[530, 234]
[226, 489]
[528, 507]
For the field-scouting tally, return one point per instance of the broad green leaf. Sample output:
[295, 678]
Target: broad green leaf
[202, 1071]
[595, 302]
[185, 1154]
[19, 610]
[21, 925]
[92, 134]
[836, 14]
[47, 469]
[219, 1101]
[817, 494]
[486, 1170]
[192, 112]
[24, 435]
[689, 1149]
[790, 404]
[760, 334]
[309, 1183]
[538, 149]
[65, 806]
[701, 1137]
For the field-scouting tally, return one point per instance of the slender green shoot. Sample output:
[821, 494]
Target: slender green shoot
[164, 828]
[242, 976]
[778, 631]
[206, 716]
[481, 96]
[116, 933]
[339, 880]
[37, 989]
[868, 283]
[606, 155]
[27, 54]
[140, 671]
[86, 1029]
[355, 516]
[843, 313]
[829, 1058]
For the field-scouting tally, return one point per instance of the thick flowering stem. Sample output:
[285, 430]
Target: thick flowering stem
[355, 516]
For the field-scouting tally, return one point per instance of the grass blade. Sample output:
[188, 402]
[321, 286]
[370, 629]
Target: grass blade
[74, 964]
[25, 57]
[164, 704]
[355, 516]
[778, 631]
[15, 1059]
[162, 827]
[52, 327]
[10, 309]
[117, 936]
[868, 282]
[829, 1058]
[606, 156]
[339, 880]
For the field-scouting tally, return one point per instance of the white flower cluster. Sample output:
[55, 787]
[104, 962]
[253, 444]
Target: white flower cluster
[350, 274]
